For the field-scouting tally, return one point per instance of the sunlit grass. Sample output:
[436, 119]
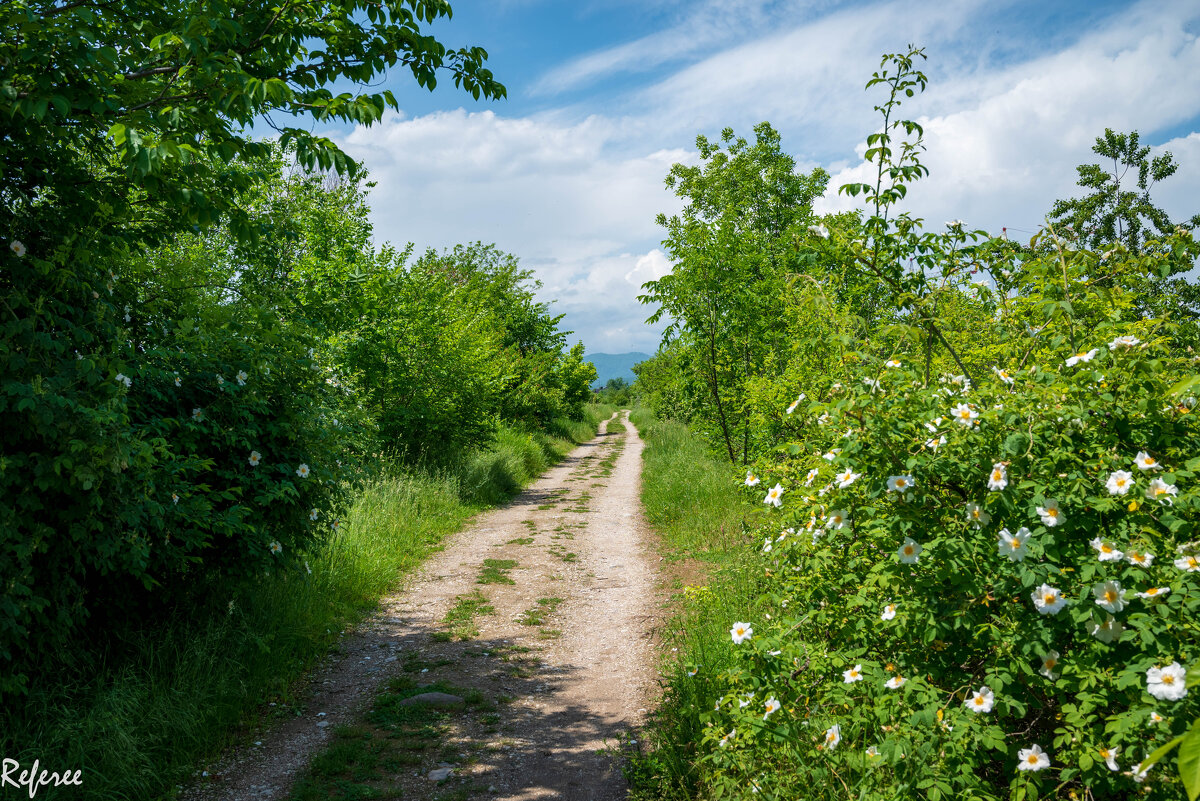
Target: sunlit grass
[693, 501]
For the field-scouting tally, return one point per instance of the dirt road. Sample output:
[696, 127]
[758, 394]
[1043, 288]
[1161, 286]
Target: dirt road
[539, 614]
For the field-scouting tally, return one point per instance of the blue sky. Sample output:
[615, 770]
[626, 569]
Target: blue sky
[604, 95]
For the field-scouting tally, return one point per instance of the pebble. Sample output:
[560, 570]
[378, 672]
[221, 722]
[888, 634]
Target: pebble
[440, 774]
[433, 699]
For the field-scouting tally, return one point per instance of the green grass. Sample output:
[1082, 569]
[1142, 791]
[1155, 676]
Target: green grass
[362, 761]
[536, 615]
[495, 571]
[694, 502]
[691, 497]
[140, 712]
[461, 617]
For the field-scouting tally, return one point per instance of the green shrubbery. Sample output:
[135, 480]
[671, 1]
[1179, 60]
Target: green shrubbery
[982, 582]
[962, 474]
[202, 350]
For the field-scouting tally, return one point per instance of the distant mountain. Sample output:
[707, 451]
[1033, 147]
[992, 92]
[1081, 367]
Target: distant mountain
[614, 365]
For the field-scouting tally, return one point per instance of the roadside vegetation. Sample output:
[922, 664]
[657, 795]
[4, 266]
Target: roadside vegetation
[979, 460]
[232, 420]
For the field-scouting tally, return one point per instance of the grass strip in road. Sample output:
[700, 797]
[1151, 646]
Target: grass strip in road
[461, 617]
[495, 571]
[536, 615]
[367, 759]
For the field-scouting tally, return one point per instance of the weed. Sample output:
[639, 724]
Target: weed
[536, 616]
[461, 617]
[495, 571]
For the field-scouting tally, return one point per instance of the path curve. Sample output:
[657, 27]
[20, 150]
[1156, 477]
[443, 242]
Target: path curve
[574, 697]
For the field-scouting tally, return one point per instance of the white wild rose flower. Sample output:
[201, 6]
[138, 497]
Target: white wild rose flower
[1188, 564]
[1081, 357]
[1109, 631]
[1119, 482]
[1162, 492]
[1124, 343]
[833, 736]
[1050, 665]
[847, 478]
[1033, 758]
[1106, 551]
[964, 415]
[910, 551]
[1013, 545]
[1145, 461]
[1167, 683]
[1048, 600]
[998, 478]
[1110, 596]
[1050, 514]
[977, 517]
[981, 701]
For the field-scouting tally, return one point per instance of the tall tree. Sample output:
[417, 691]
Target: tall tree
[731, 246]
[1118, 209]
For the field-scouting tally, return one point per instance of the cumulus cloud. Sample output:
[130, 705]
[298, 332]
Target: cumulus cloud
[1005, 144]
[574, 193]
[560, 195]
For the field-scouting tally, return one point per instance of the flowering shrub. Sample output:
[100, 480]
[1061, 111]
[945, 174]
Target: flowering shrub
[139, 449]
[968, 596]
[983, 577]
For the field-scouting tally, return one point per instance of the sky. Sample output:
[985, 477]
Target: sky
[604, 96]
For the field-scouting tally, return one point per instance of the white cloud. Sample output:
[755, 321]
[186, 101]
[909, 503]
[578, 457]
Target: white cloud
[1004, 144]
[1177, 195]
[559, 195]
[574, 193]
[651, 267]
[704, 26]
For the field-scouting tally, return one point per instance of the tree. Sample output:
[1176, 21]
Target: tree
[731, 246]
[1115, 213]
[125, 126]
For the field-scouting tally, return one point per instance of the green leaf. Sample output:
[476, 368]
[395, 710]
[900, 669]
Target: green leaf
[1189, 761]
[1184, 385]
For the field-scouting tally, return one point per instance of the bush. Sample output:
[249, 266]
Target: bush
[983, 582]
[964, 611]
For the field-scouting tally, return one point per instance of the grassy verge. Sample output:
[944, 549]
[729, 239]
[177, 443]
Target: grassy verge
[137, 714]
[694, 502]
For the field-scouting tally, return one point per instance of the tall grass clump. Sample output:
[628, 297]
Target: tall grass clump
[689, 494]
[138, 708]
[693, 500]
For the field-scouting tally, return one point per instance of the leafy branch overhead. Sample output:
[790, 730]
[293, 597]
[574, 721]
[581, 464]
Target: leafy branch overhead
[176, 90]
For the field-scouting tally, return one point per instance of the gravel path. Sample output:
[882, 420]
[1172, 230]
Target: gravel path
[572, 688]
